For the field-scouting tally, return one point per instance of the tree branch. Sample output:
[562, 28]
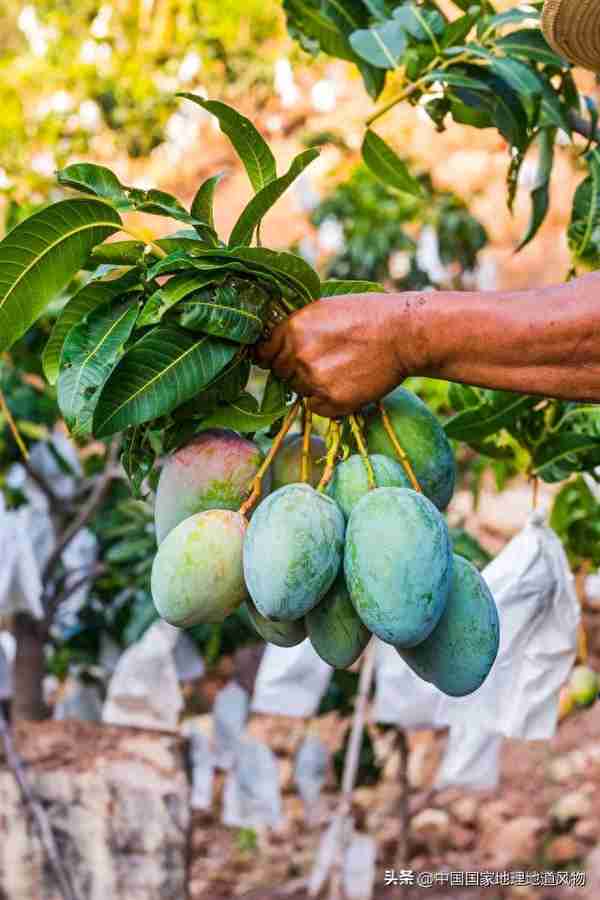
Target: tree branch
[53, 500]
[87, 511]
[15, 764]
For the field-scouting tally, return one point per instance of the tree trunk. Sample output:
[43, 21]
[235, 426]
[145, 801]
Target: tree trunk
[30, 665]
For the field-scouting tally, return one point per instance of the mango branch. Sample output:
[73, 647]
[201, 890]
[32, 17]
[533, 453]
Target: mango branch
[248, 504]
[400, 451]
[13, 427]
[334, 438]
[362, 449]
[306, 467]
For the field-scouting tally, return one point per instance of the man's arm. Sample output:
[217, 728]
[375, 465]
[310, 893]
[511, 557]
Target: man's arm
[346, 351]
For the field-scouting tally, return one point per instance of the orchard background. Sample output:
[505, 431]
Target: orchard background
[97, 82]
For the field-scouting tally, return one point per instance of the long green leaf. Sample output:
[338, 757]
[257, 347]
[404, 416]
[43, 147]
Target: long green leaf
[530, 44]
[89, 355]
[90, 296]
[301, 276]
[232, 311]
[101, 182]
[334, 287]
[559, 457]
[478, 422]
[250, 146]
[39, 257]
[172, 292]
[262, 202]
[202, 204]
[540, 194]
[157, 374]
[387, 166]
[383, 45]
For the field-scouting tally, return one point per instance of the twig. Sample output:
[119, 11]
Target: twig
[13, 427]
[362, 449]
[387, 424]
[87, 511]
[248, 504]
[305, 472]
[335, 438]
[51, 497]
[60, 595]
[404, 840]
[351, 768]
[38, 813]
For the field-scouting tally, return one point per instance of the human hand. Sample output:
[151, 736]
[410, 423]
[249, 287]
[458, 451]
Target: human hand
[343, 352]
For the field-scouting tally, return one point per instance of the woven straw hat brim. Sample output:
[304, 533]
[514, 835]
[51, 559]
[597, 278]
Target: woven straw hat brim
[572, 28]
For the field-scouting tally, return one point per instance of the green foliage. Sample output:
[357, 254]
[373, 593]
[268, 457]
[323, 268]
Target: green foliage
[153, 343]
[550, 439]
[576, 519]
[378, 223]
[485, 69]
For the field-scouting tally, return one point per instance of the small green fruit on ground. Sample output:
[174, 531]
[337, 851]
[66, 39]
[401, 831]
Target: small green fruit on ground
[423, 439]
[214, 471]
[197, 576]
[282, 634]
[335, 630]
[584, 685]
[398, 564]
[287, 465]
[459, 653]
[293, 551]
[350, 483]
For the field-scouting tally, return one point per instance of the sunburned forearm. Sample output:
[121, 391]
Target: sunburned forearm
[544, 342]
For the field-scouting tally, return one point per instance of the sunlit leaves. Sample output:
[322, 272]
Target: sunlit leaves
[157, 374]
[90, 351]
[386, 165]
[40, 256]
[250, 146]
[262, 202]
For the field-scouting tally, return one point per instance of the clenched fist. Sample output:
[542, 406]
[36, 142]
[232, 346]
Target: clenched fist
[343, 352]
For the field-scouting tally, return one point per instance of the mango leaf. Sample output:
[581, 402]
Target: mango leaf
[101, 182]
[89, 355]
[323, 27]
[419, 22]
[454, 78]
[118, 253]
[530, 44]
[576, 519]
[91, 295]
[559, 457]
[456, 32]
[497, 410]
[584, 230]
[301, 276]
[262, 202]
[97, 180]
[157, 374]
[525, 82]
[40, 256]
[172, 292]
[250, 146]
[540, 193]
[511, 17]
[334, 287]
[225, 388]
[382, 45]
[246, 415]
[202, 204]
[387, 166]
[233, 310]
[463, 396]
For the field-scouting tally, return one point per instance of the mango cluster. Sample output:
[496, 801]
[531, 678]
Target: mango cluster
[337, 565]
